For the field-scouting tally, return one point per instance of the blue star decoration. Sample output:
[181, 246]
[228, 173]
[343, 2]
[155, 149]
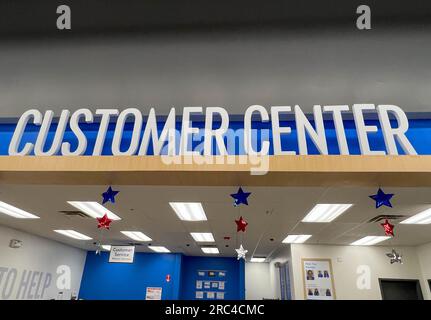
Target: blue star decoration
[240, 197]
[109, 195]
[382, 199]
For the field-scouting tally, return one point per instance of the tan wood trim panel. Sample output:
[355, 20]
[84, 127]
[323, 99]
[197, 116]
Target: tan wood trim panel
[315, 170]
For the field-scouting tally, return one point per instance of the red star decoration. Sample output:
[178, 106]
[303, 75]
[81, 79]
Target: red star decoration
[389, 228]
[241, 224]
[104, 222]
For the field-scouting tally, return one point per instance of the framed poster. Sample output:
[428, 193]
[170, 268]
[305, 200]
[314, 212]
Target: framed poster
[211, 285]
[318, 279]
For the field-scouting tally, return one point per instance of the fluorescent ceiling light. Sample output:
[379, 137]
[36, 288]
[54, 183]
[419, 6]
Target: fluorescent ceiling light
[369, 240]
[189, 211]
[210, 250]
[159, 249]
[136, 235]
[202, 236]
[73, 234]
[15, 212]
[324, 212]
[423, 217]
[93, 209]
[257, 259]
[296, 238]
[106, 247]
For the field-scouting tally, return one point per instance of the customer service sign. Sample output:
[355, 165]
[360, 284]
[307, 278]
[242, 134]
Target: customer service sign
[122, 254]
[362, 129]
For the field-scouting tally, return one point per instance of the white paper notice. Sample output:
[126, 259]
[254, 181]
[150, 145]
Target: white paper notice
[122, 254]
[198, 284]
[210, 295]
[153, 294]
[220, 295]
[207, 284]
[221, 285]
[214, 284]
[199, 294]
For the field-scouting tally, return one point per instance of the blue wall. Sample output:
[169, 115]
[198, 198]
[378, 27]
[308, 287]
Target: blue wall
[121, 281]
[234, 279]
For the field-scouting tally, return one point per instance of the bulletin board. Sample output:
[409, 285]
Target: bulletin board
[318, 279]
[210, 285]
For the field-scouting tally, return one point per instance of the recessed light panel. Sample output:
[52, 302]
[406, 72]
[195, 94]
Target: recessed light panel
[325, 212]
[296, 238]
[369, 240]
[73, 234]
[256, 259]
[159, 249]
[210, 250]
[189, 211]
[93, 209]
[15, 212]
[202, 236]
[423, 217]
[136, 235]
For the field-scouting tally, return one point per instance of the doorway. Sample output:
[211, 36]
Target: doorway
[400, 289]
[285, 290]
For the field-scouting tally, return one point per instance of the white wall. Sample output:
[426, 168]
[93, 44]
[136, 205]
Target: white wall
[346, 260]
[424, 255]
[30, 272]
[257, 281]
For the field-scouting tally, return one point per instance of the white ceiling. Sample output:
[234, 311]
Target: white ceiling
[273, 213]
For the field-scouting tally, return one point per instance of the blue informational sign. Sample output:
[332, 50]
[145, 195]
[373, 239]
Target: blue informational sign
[419, 135]
[384, 129]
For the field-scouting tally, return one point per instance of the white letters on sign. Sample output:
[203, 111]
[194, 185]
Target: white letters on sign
[168, 137]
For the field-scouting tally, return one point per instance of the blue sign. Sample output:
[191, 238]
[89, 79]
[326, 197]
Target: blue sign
[418, 135]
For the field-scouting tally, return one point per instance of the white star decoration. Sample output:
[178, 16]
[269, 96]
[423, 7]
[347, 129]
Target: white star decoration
[98, 249]
[241, 252]
[395, 257]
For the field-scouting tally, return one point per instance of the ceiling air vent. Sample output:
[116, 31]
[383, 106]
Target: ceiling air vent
[73, 213]
[383, 217]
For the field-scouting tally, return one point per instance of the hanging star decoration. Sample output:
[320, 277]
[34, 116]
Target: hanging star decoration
[109, 195]
[241, 252]
[241, 224]
[395, 257]
[240, 197]
[389, 228]
[98, 249]
[104, 222]
[382, 199]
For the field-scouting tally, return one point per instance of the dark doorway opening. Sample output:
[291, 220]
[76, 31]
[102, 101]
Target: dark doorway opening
[400, 289]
